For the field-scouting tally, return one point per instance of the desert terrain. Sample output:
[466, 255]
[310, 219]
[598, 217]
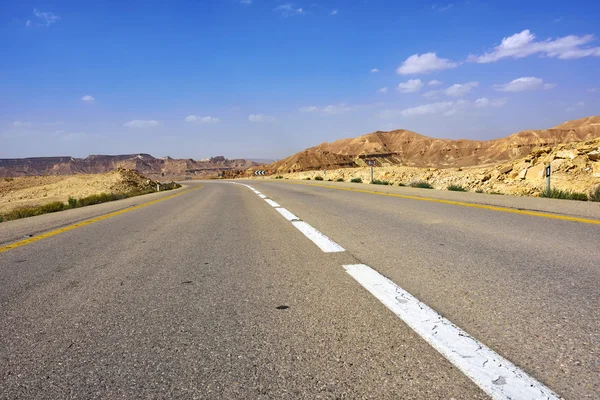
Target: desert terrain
[155, 168]
[512, 165]
[30, 191]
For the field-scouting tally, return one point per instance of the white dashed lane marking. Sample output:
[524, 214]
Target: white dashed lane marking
[286, 214]
[272, 203]
[497, 376]
[324, 243]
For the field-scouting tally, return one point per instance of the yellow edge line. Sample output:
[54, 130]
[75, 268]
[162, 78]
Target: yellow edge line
[90, 221]
[461, 203]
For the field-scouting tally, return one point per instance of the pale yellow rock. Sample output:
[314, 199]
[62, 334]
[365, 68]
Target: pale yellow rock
[536, 173]
[523, 173]
[567, 154]
[594, 155]
[596, 170]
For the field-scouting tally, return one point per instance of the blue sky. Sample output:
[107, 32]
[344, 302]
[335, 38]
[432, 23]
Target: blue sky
[267, 78]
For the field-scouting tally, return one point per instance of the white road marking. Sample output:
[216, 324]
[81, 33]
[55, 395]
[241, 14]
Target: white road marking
[262, 196]
[272, 203]
[497, 376]
[287, 215]
[324, 243]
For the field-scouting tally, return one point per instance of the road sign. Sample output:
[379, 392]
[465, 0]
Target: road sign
[259, 172]
[548, 171]
[371, 162]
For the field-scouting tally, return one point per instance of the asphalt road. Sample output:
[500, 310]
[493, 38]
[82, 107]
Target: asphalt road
[213, 294]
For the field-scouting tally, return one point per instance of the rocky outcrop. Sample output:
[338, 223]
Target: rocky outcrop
[403, 147]
[156, 168]
[575, 167]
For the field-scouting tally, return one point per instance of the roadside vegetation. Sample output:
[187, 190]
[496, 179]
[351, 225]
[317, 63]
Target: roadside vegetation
[356, 180]
[339, 180]
[279, 177]
[307, 178]
[595, 194]
[55, 206]
[318, 178]
[456, 188]
[421, 185]
[380, 182]
[564, 195]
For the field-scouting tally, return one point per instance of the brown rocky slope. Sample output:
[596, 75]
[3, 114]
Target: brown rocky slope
[575, 167]
[403, 147]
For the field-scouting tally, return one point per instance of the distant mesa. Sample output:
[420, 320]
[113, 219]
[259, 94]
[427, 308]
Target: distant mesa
[407, 148]
[155, 168]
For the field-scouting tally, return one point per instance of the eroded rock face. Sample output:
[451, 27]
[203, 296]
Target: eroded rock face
[157, 168]
[403, 147]
[523, 176]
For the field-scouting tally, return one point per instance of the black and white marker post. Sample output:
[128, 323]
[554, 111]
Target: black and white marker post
[548, 172]
[371, 163]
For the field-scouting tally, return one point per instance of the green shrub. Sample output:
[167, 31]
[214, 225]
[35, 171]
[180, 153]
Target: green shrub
[495, 192]
[279, 177]
[318, 178]
[339, 180]
[378, 182]
[595, 194]
[356, 180]
[72, 202]
[329, 180]
[307, 178]
[563, 194]
[420, 184]
[456, 188]
[52, 207]
[401, 184]
[479, 191]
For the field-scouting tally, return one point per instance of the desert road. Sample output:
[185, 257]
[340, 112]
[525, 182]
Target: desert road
[263, 289]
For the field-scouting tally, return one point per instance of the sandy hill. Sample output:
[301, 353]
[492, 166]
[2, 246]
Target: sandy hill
[403, 147]
[158, 168]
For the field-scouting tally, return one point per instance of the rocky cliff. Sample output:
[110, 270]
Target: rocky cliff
[156, 168]
[403, 147]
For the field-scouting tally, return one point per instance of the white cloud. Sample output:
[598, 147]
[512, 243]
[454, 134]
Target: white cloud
[260, 118]
[247, 2]
[333, 109]
[432, 94]
[22, 124]
[524, 44]
[382, 90]
[439, 8]
[374, 70]
[139, 123]
[523, 84]
[410, 86]
[575, 106]
[484, 102]
[202, 120]
[337, 109]
[28, 23]
[288, 10]
[46, 18]
[445, 108]
[435, 82]
[88, 98]
[334, 12]
[460, 89]
[423, 64]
